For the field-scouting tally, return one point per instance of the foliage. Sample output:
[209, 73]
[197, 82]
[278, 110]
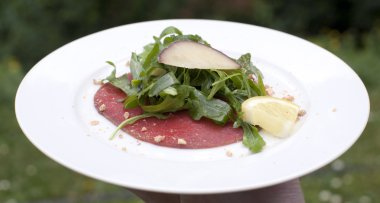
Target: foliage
[31, 29]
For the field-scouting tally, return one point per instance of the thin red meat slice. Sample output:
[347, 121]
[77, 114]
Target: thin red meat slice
[197, 134]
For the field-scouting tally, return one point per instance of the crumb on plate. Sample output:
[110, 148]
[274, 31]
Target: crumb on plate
[288, 97]
[301, 113]
[229, 153]
[97, 82]
[94, 122]
[269, 90]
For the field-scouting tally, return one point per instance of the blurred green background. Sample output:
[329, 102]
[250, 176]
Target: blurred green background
[30, 29]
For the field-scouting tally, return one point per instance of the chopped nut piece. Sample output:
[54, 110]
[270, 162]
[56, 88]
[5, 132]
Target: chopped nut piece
[289, 97]
[102, 107]
[120, 136]
[181, 141]
[124, 149]
[252, 77]
[229, 153]
[126, 115]
[269, 90]
[97, 82]
[143, 129]
[333, 110]
[159, 138]
[301, 113]
[94, 122]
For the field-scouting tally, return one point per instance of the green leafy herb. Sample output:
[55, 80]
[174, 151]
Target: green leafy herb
[252, 138]
[134, 119]
[214, 94]
[121, 82]
[245, 62]
[170, 30]
[214, 109]
[162, 83]
[136, 67]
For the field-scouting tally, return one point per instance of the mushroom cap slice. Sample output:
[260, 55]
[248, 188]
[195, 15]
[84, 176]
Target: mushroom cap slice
[193, 55]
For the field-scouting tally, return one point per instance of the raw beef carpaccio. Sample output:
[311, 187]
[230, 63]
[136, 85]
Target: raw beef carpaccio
[179, 130]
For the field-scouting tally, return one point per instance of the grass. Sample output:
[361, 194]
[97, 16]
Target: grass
[26, 175]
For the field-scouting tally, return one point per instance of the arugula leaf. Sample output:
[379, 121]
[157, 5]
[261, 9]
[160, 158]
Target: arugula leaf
[121, 82]
[252, 138]
[170, 91]
[169, 103]
[170, 30]
[222, 79]
[261, 85]
[245, 62]
[214, 109]
[249, 86]
[232, 100]
[196, 38]
[134, 119]
[136, 67]
[207, 83]
[162, 83]
[147, 49]
[253, 88]
[220, 82]
[131, 102]
[145, 90]
[151, 56]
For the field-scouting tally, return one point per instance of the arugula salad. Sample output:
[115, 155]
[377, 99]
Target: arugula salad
[160, 88]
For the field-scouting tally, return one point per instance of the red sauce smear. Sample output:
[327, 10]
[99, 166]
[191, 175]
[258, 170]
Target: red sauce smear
[179, 126]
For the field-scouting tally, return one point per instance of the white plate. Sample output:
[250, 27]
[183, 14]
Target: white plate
[54, 108]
